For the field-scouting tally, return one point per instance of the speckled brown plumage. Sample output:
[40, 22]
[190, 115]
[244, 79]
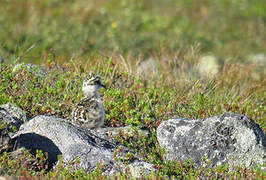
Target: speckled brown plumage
[89, 112]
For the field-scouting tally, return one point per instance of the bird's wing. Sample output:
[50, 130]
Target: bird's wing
[87, 108]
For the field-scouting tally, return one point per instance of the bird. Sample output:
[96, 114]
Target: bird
[89, 112]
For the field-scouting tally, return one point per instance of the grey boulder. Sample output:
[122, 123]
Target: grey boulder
[10, 117]
[57, 136]
[228, 138]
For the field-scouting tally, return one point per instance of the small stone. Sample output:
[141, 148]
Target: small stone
[140, 169]
[208, 66]
[10, 117]
[38, 70]
[115, 131]
[15, 112]
[148, 68]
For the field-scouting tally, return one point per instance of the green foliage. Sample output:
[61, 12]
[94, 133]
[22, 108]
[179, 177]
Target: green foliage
[110, 38]
[131, 100]
[23, 163]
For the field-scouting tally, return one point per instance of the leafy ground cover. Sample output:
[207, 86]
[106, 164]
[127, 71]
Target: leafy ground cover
[71, 39]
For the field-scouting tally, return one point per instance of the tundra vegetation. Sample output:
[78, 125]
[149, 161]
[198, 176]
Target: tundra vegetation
[112, 38]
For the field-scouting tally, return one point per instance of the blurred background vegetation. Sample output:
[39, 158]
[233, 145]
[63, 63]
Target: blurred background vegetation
[81, 29]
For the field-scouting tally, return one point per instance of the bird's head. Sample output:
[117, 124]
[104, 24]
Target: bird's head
[92, 84]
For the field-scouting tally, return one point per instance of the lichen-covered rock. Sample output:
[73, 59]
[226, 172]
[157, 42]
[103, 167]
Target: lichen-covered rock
[140, 169]
[57, 136]
[38, 70]
[4, 140]
[148, 68]
[12, 114]
[259, 59]
[208, 66]
[258, 64]
[11, 118]
[228, 138]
